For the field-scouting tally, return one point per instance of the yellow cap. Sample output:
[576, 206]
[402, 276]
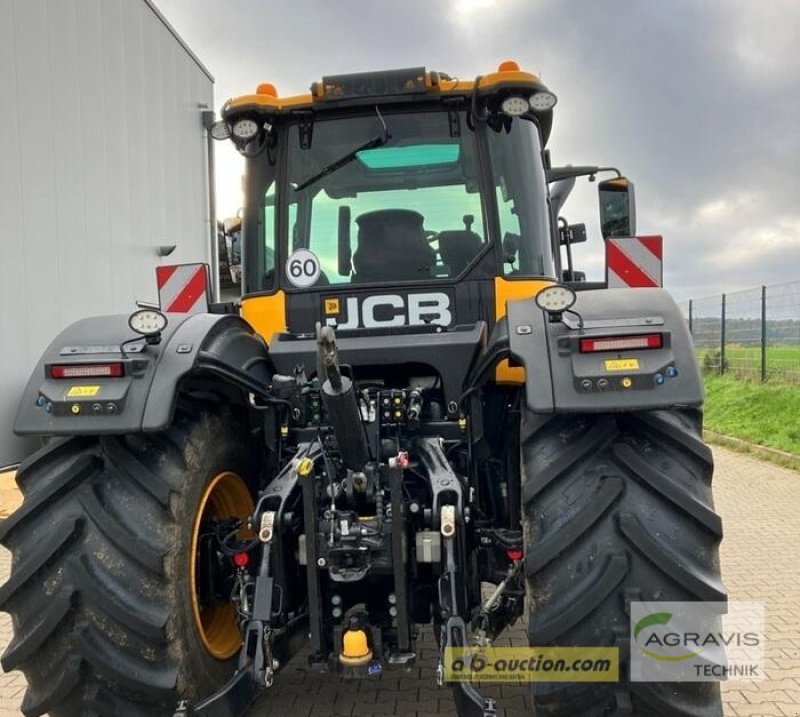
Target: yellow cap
[355, 645]
[626, 382]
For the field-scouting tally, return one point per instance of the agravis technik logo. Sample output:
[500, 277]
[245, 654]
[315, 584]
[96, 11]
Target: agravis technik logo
[696, 641]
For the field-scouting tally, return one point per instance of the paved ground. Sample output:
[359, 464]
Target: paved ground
[10, 497]
[760, 504]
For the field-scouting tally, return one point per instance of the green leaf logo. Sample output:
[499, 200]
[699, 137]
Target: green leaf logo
[654, 618]
[659, 618]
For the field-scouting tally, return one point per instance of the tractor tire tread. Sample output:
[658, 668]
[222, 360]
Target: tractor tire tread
[102, 620]
[617, 508]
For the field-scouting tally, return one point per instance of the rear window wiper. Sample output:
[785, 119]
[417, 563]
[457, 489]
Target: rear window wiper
[378, 141]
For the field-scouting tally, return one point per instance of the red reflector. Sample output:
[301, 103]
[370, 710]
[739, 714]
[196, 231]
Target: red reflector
[622, 343]
[514, 555]
[98, 370]
[241, 560]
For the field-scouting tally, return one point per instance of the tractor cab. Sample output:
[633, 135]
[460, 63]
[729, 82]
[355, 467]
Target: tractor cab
[393, 199]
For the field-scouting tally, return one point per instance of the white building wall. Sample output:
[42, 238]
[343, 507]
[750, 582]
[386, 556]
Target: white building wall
[102, 160]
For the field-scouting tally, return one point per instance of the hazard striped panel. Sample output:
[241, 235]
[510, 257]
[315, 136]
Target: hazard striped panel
[183, 288]
[634, 262]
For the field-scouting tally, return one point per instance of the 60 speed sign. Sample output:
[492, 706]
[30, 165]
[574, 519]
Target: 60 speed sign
[302, 268]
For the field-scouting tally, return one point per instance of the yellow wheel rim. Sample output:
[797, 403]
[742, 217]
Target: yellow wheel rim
[226, 496]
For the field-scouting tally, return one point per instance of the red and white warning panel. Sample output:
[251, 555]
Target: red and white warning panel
[183, 288]
[636, 262]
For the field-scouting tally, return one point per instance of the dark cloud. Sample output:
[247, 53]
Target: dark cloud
[698, 102]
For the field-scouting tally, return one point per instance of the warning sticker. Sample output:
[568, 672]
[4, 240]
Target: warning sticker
[331, 306]
[622, 364]
[302, 268]
[83, 391]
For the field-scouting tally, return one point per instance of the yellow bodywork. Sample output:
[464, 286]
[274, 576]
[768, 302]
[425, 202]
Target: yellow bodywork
[504, 291]
[266, 314]
[435, 84]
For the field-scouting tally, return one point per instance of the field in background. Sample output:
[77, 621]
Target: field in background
[752, 334]
[744, 362]
[748, 349]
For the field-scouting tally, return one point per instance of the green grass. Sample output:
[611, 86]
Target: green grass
[766, 414]
[783, 362]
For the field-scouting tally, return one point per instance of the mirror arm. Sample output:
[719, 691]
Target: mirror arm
[564, 231]
[608, 169]
[555, 174]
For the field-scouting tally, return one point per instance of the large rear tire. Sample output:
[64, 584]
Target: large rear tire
[101, 592]
[617, 508]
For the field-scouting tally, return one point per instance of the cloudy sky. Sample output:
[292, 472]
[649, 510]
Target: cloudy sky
[698, 101]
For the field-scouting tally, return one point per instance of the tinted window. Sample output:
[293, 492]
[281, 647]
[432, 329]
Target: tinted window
[408, 209]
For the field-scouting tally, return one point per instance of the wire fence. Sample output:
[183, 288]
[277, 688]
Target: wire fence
[752, 334]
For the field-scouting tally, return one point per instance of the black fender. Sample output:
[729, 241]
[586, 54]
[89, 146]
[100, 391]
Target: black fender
[223, 347]
[561, 378]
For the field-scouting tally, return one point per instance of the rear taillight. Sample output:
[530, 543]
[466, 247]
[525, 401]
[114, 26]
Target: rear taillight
[622, 343]
[95, 370]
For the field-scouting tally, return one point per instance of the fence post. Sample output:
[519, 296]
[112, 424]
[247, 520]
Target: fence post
[690, 316]
[763, 334]
[722, 337]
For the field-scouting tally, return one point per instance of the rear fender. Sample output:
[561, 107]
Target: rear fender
[562, 379]
[144, 398]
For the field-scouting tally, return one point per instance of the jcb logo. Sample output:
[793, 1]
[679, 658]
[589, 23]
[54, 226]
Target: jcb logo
[387, 310]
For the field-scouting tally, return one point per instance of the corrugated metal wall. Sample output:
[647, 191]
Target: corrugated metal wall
[102, 160]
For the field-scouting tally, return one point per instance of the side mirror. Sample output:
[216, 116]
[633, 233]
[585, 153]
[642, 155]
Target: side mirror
[235, 257]
[229, 234]
[223, 259]
[617, 208]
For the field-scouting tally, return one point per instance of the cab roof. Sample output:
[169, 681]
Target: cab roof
[365, 89]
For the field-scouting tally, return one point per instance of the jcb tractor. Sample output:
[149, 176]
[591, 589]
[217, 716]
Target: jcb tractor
[420, 415]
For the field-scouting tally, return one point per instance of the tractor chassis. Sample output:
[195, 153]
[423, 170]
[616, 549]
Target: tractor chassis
[266, 649]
